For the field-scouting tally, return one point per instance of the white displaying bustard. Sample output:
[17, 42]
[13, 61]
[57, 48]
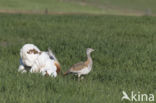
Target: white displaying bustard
[36, 61]
[82, 68]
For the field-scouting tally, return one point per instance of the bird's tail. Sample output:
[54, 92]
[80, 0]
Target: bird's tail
[66, 73]
[52, 56]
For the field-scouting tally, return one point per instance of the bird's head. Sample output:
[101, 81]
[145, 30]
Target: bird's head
[89, 50]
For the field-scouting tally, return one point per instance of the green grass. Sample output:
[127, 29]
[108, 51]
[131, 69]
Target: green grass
[124, 58]
[124, 7]
[51, 5]
[140, 5]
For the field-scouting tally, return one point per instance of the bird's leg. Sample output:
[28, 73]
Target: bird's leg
[79, 77]
[82, 78]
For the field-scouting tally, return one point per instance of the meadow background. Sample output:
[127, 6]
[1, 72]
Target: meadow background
[124, 58]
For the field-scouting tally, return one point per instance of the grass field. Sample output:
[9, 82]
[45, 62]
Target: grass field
[51, 5]
[119, 7]
[124, 58]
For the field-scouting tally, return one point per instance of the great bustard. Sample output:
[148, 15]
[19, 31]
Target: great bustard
[82, 68]
[34, 60]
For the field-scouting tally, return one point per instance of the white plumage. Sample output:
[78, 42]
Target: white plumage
[27, 56]
[44, 65]
[35, 61]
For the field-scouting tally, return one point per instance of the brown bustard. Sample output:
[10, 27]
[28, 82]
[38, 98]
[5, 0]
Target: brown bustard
[82, 68]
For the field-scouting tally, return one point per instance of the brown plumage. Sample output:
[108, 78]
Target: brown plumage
[58, 67]
[82, 68]
[79, 66]
[34, 51]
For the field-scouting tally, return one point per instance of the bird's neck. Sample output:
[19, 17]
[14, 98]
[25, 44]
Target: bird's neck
[89, 56]
[89, 60]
